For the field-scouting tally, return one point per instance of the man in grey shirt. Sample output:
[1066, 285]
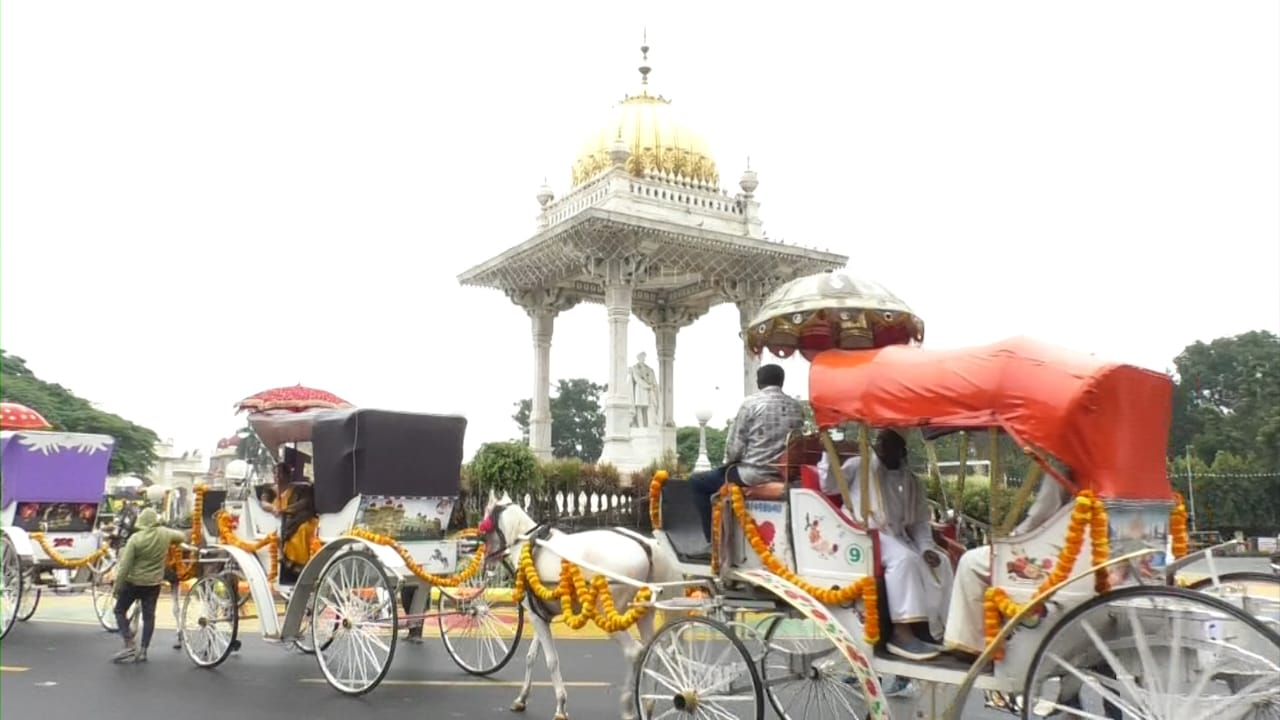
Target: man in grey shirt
[756, 444]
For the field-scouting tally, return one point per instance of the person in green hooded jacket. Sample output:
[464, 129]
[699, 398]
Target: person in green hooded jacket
[138, 577]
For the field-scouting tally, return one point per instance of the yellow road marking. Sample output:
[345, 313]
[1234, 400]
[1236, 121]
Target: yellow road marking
[13, 668]
[477, 683]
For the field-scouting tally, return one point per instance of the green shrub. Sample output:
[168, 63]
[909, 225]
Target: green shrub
[562, 475]
[505, 467]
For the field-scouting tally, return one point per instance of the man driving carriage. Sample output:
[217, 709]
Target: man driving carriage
[916, 576]
[757, 442]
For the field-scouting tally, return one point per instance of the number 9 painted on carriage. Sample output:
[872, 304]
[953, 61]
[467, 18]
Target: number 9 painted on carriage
[853, 555]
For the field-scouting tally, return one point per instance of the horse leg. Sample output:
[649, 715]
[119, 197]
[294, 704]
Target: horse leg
[542, 629]
[521, 701]
[631, 649]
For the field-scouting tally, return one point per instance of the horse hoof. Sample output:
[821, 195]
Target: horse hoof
[560, 716]
[517, 706]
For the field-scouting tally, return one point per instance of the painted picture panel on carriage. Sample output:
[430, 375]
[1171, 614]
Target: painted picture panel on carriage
[406, 519]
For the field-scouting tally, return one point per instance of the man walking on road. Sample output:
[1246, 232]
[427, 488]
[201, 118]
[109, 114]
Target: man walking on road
[138, 578]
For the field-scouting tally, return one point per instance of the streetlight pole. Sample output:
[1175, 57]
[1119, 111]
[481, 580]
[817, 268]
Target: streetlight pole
[1191, 490]
[703, 462]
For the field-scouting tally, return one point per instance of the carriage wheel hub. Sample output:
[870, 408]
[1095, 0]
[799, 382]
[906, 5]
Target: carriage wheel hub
[686, 701]
[346, 624]
[203, 622]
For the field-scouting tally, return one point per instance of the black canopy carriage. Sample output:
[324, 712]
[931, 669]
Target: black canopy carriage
[385, 485]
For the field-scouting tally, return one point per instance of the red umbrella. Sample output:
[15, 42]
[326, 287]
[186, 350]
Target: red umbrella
[296, 398]
[15, 416]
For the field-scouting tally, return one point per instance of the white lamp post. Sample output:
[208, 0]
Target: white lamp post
[702, 463]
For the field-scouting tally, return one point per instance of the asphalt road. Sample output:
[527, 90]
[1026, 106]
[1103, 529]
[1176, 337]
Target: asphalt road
[56, 666]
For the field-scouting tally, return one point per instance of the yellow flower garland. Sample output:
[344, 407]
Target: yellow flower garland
[1090, 512]
[1178, 527]
[594, 602]
[183, 567]
[473, 567]
[655, 498]
[864, 588]
[58, 559]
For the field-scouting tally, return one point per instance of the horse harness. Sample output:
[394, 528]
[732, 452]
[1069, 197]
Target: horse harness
[545, 610]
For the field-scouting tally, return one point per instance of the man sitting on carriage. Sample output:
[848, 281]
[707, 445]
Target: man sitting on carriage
[964, 633]
[757, 442]
[917, 576]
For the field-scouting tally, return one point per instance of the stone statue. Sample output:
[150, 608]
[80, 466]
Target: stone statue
[644, 393]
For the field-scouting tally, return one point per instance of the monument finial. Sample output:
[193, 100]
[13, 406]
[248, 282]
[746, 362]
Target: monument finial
[644, 60]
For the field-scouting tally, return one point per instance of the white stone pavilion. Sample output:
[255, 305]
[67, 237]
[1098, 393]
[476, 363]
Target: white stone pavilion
[645, 230]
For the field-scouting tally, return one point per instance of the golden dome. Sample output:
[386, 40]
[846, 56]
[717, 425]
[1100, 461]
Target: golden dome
[655, 137]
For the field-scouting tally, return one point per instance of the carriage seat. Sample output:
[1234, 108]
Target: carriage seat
[775, 490]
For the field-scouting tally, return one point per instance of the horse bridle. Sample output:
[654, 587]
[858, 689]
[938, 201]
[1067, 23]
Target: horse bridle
[495, 526]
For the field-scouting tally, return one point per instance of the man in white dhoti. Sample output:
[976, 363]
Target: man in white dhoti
[964, 634]
[917, 576]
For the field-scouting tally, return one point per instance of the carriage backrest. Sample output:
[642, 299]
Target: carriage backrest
[385, 454]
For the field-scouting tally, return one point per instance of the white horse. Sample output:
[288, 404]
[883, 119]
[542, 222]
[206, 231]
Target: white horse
[507, 527]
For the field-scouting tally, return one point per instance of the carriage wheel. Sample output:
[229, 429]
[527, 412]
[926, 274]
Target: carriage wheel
[804, 674]
[10, 585]
[306, 637]
[697, 667]
[210, 621]
[355, 655]
[1155, 653]
[102, 590]
[481, 627]
[29, 600]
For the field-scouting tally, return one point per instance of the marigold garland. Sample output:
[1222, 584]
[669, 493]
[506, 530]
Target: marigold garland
[183, 567]
[227, 536]
[450, 581]
[580, 601]
[1178, 527]
[62, 561]
[864, 588]
[1090, 512]
[655, 498]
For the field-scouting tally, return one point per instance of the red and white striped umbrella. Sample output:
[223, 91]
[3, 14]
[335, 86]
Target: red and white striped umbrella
[16, 416]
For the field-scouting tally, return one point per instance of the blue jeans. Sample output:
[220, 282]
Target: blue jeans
[705, 484]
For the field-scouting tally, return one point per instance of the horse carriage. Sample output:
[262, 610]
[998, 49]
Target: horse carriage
[52, 484]
[791, 608]
[1103, 634]
[385, 485]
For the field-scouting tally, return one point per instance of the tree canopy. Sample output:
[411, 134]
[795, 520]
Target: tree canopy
[577, 423]
[135, 445]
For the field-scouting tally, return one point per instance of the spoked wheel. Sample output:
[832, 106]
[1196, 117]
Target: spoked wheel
[356, 654]
[480, 624]
[306, 637]
[696, 667]
[235, 576]
[102, 590]
[10, 585]
[30, 598]
[804, 674]
[1155, 653]
[210, 621]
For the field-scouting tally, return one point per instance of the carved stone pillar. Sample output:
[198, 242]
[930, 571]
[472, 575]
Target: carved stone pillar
[748, 296]
[620, 276]
[542, 305]
[666, 321]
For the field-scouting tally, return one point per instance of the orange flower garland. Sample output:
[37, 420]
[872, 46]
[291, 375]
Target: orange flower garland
[1178, 527]
[185, 568]
[573, 589]
[450, 581]
[1090, 512]
[863, 588]
[58, 559]
[655, 498]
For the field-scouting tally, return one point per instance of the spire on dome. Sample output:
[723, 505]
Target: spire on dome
[644, 62]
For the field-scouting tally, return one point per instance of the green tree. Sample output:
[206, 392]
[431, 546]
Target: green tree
[687, 445]
[1227, 398]
[577, 423]
[505, 467]
[135, 445]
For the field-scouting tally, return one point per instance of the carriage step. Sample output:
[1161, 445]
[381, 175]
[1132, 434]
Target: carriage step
[946, 669]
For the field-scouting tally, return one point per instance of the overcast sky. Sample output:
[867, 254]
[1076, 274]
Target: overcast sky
[204, 200]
